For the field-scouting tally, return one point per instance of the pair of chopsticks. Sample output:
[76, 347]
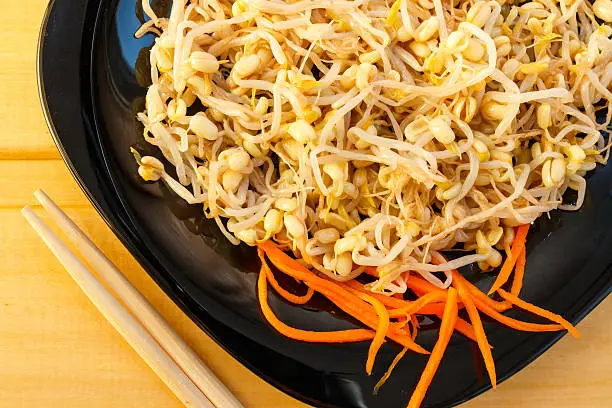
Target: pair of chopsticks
[138, 322]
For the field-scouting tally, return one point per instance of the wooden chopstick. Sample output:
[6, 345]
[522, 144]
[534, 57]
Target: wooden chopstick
[137, 337]
[140, 307]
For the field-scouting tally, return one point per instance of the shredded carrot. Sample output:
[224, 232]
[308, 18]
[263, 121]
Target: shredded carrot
[478, 294]
[519, 273]
[342, 336]
[403, 323]
[447, 327]
[387, 374]
[481, 337]
[540, 312]
[462, 326]
[420, 284]
[385, 300]
[513, 323]
[425, 310]
[296, 299]
[399, 336]
[375, 310]
[391, 302]
[403, 319]
[378, 297]
[518, 245]
[394, 333]
[381, 330]
[415, 326]
[327, 288]
[419, 304]
[341, 297]
[499, 306]
[345, 300]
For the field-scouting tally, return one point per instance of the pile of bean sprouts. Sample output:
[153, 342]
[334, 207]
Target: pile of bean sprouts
[373, 133]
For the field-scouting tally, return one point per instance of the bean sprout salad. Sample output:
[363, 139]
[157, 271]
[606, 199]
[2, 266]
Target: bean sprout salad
[368, 137]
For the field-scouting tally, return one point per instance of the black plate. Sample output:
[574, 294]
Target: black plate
[89, 68]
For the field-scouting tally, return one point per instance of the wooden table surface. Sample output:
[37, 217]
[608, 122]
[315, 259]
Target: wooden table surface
[57, 351]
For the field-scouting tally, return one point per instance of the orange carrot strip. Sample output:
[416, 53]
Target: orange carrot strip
[513, 323]
[415, 326]
[403, 319]
[517, 246]
[414, 283]
[477, 293]
[426, 310]
[421, 284]
[462, 326]
[385, 300]
[342, 298]
[380, 298]
[449, 318]
[403, 323]
[387, 374]
[481, 337]
[519, 273]
[398, 335]
[499, 306]
[381, 330]
[296, 299]
[540, 312]
[419, 304]
[296, 270]
[350, 303]
[345, 301]
[391, 302]
[341, 336]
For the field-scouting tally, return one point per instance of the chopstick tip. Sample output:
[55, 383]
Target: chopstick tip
[40, 194]
[28, 213]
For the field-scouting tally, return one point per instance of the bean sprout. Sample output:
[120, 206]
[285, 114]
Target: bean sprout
[390, 131]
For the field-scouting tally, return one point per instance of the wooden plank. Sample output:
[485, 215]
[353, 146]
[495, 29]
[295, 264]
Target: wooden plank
[24, 132]
[20, 178]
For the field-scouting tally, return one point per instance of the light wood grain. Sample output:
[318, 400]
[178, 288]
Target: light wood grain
[20, 178]
[24, 134]
[56, 351]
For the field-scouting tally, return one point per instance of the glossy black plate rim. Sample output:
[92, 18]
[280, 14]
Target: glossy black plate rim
[116, 221]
